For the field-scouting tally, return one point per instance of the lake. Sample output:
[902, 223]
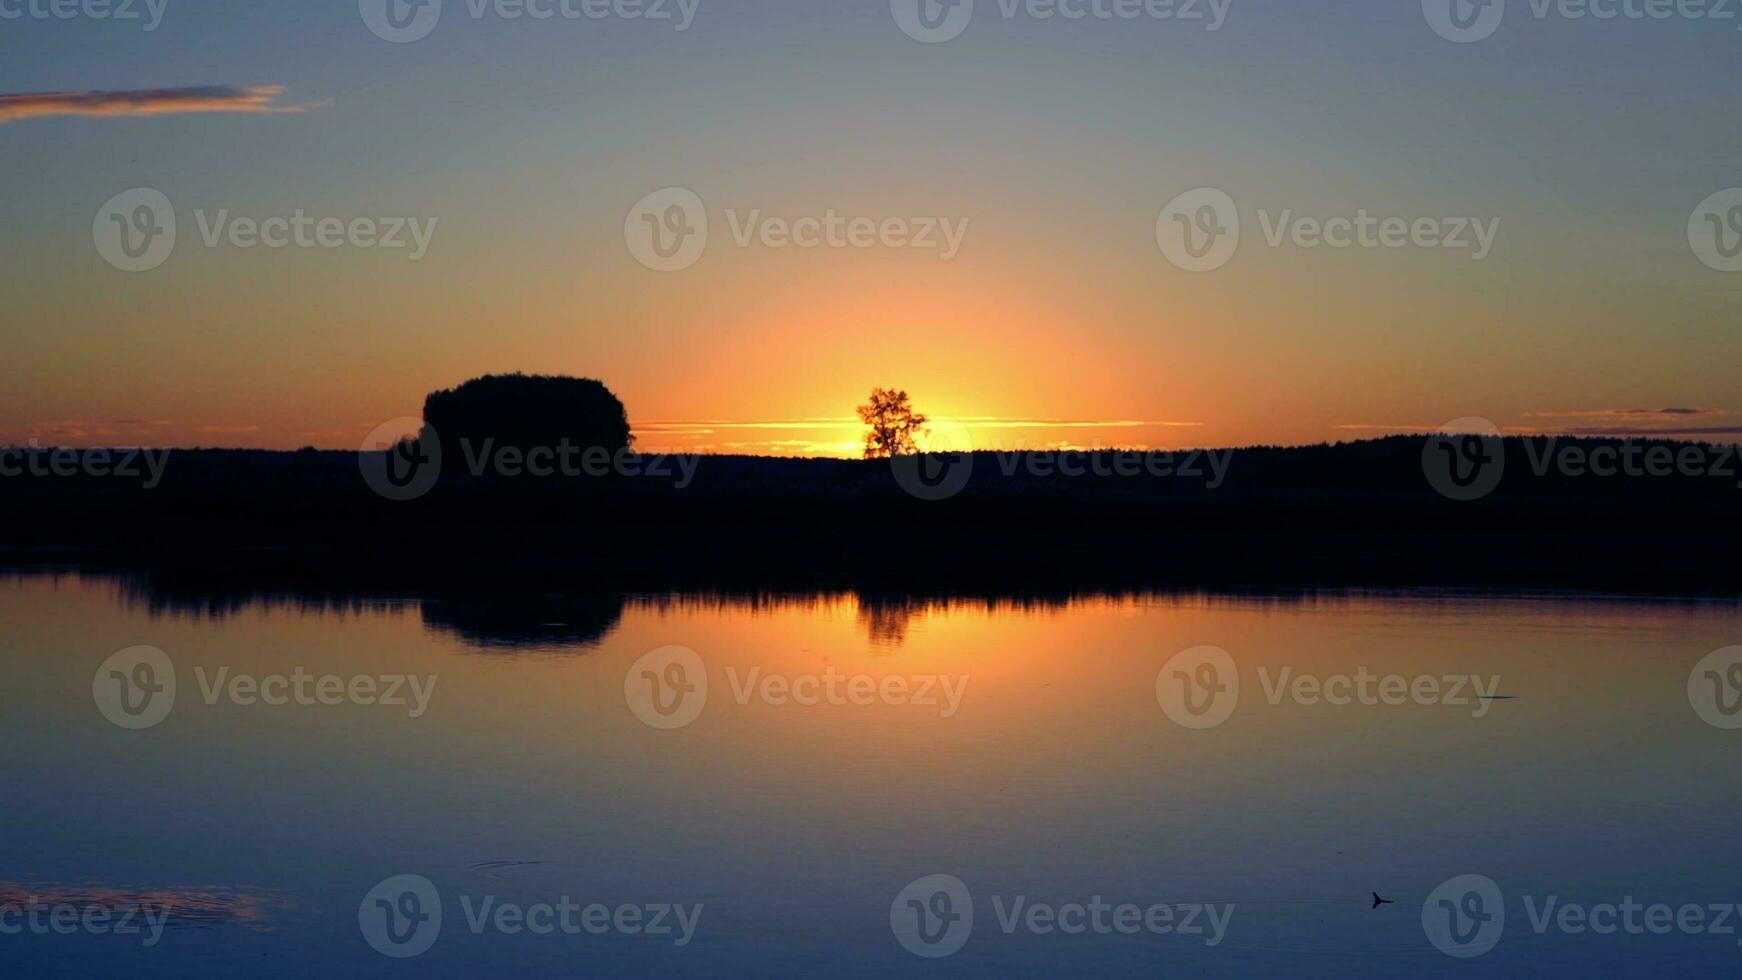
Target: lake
[704, 785]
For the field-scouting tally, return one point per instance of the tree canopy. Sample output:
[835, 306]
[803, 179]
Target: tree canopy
[893, 422]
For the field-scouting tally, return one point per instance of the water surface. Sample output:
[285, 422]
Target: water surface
[1055, 774]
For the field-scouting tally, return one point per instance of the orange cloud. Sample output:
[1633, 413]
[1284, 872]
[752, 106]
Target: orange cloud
[144, 102]
[1628, 413]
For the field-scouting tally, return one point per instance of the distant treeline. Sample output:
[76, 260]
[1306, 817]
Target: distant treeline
[1364, 513]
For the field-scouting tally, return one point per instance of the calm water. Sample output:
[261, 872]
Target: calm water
[556, 759]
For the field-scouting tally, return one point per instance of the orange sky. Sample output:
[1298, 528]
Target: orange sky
[1057, 145]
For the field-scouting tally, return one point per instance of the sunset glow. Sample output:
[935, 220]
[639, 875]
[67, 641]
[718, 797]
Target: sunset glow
[1059, 304]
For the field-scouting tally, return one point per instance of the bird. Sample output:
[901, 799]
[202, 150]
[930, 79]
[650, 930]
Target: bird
[1377, 901]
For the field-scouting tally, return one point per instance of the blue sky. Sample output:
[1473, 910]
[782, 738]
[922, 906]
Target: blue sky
[1592, 140]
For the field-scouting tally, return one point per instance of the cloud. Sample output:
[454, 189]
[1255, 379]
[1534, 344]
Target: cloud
[86, 428]
[1629, 413]
[1382, 427]
[676, 435]
[1649, 415]
[1626, 430]
[707, 426]
[1640, 422]
[144, 102]
[989, 422]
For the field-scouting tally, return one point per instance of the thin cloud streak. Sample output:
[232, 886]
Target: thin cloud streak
[144, 102]
[704, 426]
[1625, 430]
[1585, 430]
[1629, 413]
[1378, 427]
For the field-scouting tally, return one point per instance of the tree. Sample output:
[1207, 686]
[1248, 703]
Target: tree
[893, 424]
[526, 412]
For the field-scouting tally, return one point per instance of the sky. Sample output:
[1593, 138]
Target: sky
[1054, 148]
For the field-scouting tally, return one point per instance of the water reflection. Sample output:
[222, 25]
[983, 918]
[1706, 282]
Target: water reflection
[500, 614]
[518, 621]
[205, 905]
[1056, 774]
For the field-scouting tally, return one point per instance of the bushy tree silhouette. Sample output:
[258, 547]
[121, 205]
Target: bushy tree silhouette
[527, 412]
[893, 424]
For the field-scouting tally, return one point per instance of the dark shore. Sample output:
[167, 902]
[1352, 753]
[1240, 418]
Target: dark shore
[1350, 515]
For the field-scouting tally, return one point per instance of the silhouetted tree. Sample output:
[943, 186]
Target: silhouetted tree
[527, 412]
[893, 424]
